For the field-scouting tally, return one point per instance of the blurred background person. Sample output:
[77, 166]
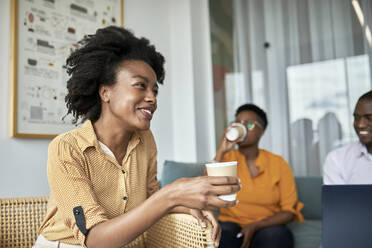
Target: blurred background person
[352, 163]
[268, 199]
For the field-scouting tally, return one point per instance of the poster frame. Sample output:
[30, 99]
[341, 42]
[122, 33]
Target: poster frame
[15, 84]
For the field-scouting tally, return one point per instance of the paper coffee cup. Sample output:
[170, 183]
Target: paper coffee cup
[236, 131]
[223, 169]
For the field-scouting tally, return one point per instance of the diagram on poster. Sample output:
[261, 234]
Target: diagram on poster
[46, 31]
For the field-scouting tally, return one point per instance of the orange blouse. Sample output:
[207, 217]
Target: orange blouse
[273, 190]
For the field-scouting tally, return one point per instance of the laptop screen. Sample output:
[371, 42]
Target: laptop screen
[346, 216]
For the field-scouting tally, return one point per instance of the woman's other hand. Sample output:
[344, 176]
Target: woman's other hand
[202, 216]
[247, 233]
[225, 146]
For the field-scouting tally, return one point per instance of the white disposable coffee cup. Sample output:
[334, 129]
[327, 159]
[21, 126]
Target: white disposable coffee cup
[236, 131]
[223, 169]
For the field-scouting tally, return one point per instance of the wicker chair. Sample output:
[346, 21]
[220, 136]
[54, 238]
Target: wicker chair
[21, 217]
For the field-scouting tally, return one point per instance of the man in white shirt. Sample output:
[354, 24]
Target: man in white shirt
[352, 164]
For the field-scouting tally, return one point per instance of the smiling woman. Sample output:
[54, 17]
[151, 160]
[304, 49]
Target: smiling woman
[131, 102]
[109, 56]
[102, 175]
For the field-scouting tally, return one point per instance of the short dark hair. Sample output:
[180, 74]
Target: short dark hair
[96, 61]
[366, 96]
[254, 108]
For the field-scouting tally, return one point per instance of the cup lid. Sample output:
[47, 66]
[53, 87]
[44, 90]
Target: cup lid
[221, 163]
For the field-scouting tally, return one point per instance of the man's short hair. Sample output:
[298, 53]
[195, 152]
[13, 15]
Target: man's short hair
[366, 96]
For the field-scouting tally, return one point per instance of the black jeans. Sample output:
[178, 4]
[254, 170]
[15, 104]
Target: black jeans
[269, 237]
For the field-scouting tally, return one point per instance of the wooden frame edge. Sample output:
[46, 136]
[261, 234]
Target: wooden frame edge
[37, 136]
[122, 13]
[13, 68]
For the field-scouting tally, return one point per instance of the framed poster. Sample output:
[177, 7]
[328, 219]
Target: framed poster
[43, 34]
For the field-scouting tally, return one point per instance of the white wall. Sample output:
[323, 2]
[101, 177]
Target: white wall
[183, 125]
[191, 80]
[151, 19]
[203, 81]
[23, 161]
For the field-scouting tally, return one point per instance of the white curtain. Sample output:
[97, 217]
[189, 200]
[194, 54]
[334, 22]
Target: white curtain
[297, 59]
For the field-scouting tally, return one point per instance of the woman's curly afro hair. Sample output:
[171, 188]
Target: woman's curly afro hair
[96, 62]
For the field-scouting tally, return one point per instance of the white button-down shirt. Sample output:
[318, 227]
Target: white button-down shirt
[350, 164]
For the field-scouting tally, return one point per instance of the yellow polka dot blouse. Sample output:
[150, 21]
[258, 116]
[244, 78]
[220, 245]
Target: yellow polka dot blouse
[81, 174]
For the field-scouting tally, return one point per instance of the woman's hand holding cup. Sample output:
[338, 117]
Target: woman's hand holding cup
[202, 192]
[223, 169]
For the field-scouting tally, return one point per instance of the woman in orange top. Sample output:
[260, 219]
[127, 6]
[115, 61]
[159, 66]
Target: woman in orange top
[268, 199]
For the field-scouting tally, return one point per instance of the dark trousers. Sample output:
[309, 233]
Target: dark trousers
[269, 237]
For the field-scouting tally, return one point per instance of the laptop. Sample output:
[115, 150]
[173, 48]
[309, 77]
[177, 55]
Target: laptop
[346, 216]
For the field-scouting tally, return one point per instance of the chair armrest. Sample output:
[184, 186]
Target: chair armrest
[179, 230]
[20, 219]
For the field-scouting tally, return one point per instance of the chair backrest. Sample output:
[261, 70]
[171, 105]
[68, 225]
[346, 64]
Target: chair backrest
[175, 170]
[20, 219]
[308, 188]
[310, 194]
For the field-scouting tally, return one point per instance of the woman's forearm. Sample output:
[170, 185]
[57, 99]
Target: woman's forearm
[192, 193]
[219, 155]
[180, 209]
[280, 218]
[122, 229]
